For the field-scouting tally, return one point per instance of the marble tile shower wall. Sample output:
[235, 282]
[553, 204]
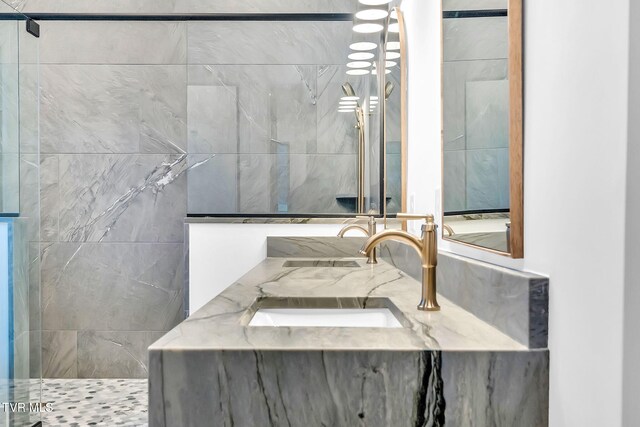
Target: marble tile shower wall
[140, 122]
[476, 154]
[266, 107]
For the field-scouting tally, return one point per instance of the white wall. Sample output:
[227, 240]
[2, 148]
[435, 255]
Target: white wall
[576, 74]
[631, 355]
[219, 254]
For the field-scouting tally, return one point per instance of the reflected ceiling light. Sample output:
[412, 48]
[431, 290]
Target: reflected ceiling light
[357, 72]
[361, 46]
[390, 64]
[350, 98]
[394, 14]
[368, 28]
[392, 55]
[373, 98]
[360, 56]
[374, 2]
[394, 28]
[372, 14]
[374, 101]
[374, 71]
[359, 64]
[393, 45]
[348, 103]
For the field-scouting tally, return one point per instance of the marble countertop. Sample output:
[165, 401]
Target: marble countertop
[222, 324]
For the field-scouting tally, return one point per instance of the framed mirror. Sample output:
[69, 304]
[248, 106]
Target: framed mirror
[394, 92]
[482, 196]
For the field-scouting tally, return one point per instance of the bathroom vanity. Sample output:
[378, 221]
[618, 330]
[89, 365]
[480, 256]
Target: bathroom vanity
[390, 366]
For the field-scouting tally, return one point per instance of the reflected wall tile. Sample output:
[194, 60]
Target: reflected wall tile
[140, 198]
[504, 182]
[394, 182]
[487, 114]
[256, 173]
[112, 286]
[477, 38]
[274, 42]
[483, 180]
[475, 5]
[113, 109]
[185, 6]
[316, 181]
[213, 119]
[267, 6]
[213, 185]
[114, 354]
[59, 354]
[454, 184]
[275, 103]
[10, 199]
[49, 199]
[456, 75]
[336, 130]
[30, 195]
[29, 101]
[96, 42]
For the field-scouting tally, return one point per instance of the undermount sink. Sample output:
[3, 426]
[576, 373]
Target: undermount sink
[320, 263]
[326, 317]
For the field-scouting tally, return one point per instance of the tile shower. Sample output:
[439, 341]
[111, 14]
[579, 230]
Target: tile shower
[476, 153]
[192, 118]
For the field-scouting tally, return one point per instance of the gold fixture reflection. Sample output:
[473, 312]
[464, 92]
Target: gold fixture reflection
[448, 229]
[427, 247]
[360, 125]
[372, 256]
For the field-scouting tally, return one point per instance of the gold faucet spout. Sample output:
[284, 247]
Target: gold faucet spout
[353, 227]
[396, 235]
[427, 248]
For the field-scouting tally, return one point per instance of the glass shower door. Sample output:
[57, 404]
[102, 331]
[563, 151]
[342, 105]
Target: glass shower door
[20, 372]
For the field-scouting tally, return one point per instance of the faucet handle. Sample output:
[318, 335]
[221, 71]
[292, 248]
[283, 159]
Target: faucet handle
[415, 217]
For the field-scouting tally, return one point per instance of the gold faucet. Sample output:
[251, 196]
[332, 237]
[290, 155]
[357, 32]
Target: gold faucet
[427, 247]
[372, 256]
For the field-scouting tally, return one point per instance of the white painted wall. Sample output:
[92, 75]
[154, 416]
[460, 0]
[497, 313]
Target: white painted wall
[219, 254]
[631, 355]
[576, 74]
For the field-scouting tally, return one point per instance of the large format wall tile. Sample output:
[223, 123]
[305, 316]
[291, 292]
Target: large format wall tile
[113, 109]
[114, 354]
[477, 38]
[275, 103]
[487, 178]
[112, 286]
[454, 181]
[474, 4]
[257, 42]
[456, 75]
[139, 198]
[213, 186]
[108, 42]
[49, 199]
[336, 131]
[487, 114]
[213, 119]
[185, 6]
[59, 354]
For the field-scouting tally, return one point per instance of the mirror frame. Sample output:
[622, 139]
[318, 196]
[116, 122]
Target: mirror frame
[516, 165]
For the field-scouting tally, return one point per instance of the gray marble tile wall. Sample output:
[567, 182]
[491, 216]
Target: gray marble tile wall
[476, 160]
[114, 192]
[185, 6]
[136, 134]
[266, 107]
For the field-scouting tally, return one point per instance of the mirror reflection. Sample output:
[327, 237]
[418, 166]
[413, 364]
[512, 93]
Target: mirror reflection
[476, 156]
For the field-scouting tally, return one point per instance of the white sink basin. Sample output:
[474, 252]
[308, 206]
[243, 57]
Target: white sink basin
[326, 317]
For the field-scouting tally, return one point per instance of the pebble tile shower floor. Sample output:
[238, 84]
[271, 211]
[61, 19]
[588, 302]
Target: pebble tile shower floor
[91, 402]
